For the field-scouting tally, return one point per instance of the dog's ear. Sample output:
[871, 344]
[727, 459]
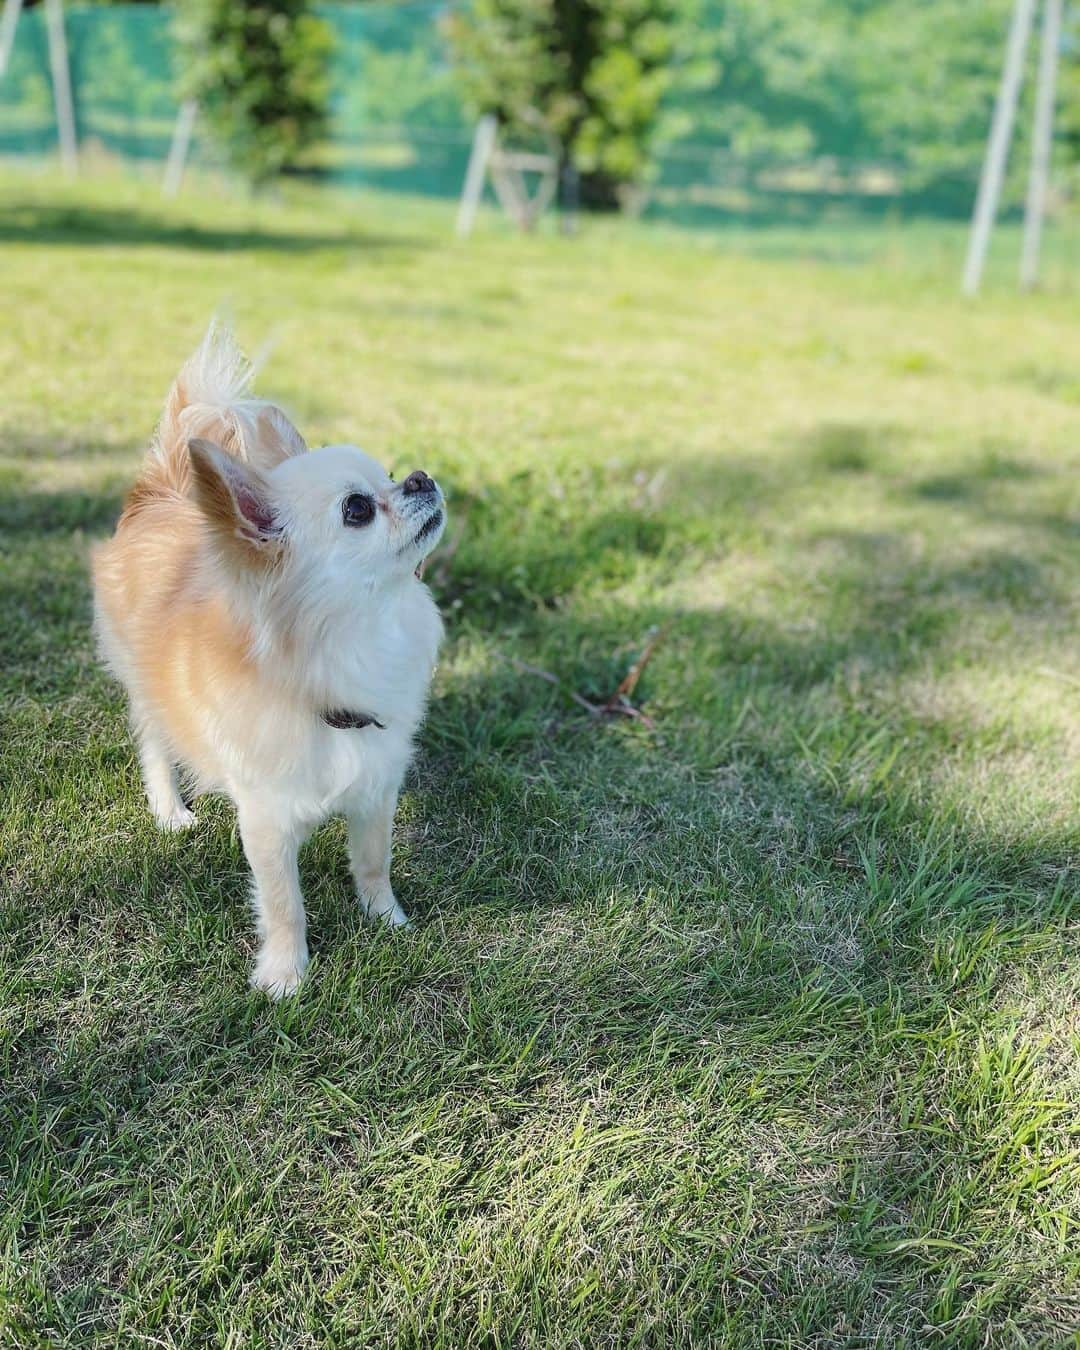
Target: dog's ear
[278, 438]
[235, 500]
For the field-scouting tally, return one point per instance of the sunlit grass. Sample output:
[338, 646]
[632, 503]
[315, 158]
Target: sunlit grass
[756, 1027]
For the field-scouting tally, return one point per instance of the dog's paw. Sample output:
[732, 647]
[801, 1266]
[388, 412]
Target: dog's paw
[278, 973]
[174, 817]
[395, 917]
[384, 907]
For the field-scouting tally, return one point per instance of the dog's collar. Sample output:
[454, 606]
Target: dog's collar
[341, 719]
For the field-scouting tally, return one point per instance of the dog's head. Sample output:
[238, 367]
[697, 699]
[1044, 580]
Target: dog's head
[333, 519]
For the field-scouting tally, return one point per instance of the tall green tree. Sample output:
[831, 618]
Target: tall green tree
[593, 73]
[259, 70]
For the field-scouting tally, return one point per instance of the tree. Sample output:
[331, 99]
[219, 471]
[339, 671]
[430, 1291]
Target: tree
[259, 72]
[595, 72]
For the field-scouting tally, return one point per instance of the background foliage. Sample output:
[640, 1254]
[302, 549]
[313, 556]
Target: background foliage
[736, 106]
[259, 71]
[727, 87]
[595, 71]
[908, 84]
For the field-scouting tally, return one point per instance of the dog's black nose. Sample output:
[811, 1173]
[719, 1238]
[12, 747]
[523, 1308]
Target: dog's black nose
[418, 481]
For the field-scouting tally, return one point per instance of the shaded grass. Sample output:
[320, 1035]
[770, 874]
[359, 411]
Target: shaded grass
[758, 1029]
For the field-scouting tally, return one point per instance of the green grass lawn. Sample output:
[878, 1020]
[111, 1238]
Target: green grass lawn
[757, 1026]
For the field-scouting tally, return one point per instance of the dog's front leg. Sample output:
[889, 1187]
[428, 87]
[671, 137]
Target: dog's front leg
[370, 836]
[159, 775]
[272, 845]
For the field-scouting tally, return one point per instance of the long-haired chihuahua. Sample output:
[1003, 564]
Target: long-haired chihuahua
[260, 603]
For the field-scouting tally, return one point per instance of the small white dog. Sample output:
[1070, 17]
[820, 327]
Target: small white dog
[261, 605]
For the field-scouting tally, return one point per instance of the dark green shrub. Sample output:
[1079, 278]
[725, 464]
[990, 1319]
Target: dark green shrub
[595, 71]
[259, 71]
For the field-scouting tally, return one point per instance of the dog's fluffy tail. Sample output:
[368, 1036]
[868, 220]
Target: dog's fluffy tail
[211, 398]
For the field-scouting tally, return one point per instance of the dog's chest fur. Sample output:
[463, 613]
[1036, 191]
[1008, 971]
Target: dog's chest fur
[386, 677]
[272, 736]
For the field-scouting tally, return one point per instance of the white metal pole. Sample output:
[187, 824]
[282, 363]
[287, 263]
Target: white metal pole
[482, 146]
[1041, 143]
[61, 82]
[997, 147]
[8, 21]
[179, 147]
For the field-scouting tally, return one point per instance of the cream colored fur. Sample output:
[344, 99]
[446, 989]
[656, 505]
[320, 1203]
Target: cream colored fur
[237, 606]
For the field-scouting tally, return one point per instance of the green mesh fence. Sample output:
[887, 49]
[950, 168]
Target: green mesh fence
[396, 118]
[122, 82]
[756, 138]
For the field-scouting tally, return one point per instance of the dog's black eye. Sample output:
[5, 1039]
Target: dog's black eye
[358, 509]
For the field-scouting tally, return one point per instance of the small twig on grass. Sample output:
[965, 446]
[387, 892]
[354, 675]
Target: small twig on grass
[594, 708]
[620, 699]
[619, 703]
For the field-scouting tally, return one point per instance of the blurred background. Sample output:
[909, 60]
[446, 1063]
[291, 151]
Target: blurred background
[696, 111]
